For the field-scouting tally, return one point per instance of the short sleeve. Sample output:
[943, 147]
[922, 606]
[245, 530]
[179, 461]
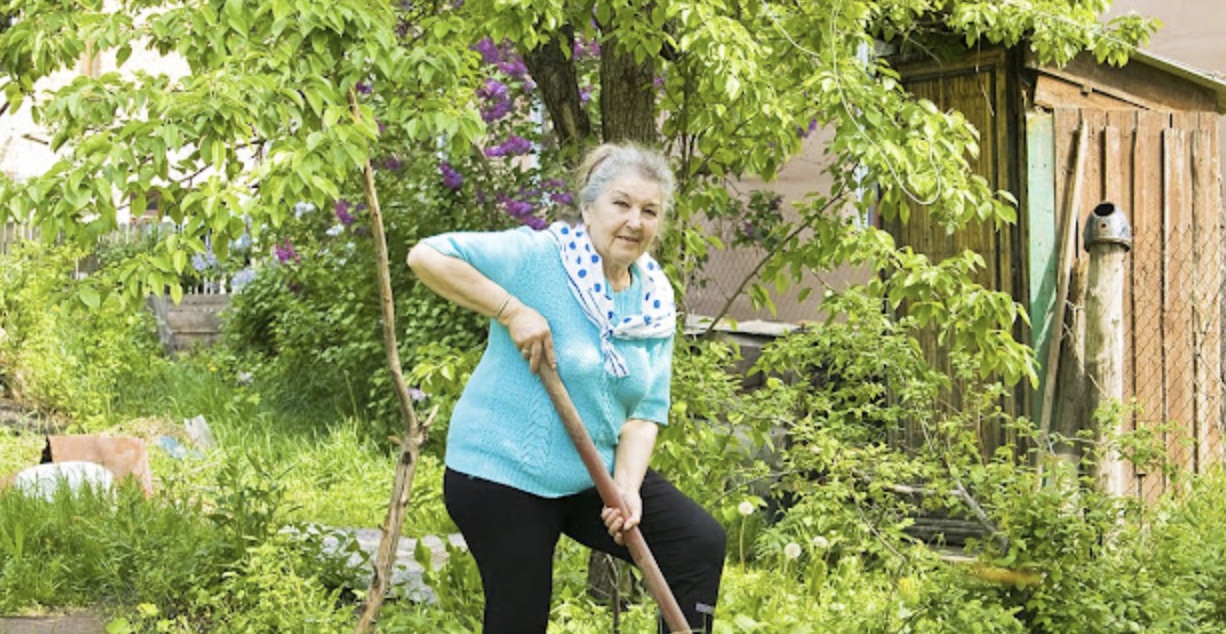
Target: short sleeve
[496, 254]
[656, 402]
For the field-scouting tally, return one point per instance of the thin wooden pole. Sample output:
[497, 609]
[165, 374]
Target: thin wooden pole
[414, 433]
[1068, 249]
[633, 538]
[1104, 310]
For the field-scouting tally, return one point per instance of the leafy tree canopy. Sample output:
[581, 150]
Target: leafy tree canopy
[287, 100]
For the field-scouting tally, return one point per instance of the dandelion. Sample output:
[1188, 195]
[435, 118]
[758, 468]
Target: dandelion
[792, 551]
[821, 543]
[745, 508]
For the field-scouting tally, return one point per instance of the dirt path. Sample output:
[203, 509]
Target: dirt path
[67, 624]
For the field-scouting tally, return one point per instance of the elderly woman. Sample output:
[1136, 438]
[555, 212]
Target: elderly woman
[588, 300]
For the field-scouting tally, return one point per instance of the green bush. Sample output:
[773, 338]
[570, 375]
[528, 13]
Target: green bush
[58, 354]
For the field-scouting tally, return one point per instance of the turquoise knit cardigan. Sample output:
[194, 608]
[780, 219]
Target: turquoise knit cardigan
[504, 427]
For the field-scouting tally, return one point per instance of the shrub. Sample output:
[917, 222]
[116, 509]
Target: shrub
[59, 354]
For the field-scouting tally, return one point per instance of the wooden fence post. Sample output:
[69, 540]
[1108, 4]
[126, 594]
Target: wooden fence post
[1108, 238]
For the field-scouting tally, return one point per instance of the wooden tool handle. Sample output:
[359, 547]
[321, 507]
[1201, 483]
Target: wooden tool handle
[633, 538]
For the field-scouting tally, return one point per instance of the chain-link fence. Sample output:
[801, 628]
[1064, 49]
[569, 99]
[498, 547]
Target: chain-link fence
[1175, 347]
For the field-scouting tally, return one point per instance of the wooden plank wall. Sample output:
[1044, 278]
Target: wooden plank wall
[1163, 170]
[978, 89]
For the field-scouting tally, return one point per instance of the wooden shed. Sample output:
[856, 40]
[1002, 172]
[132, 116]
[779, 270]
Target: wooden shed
[1153, 149]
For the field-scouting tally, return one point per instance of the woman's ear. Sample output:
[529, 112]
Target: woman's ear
[583, 210]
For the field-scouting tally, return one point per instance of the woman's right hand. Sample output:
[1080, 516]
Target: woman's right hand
[530, 333]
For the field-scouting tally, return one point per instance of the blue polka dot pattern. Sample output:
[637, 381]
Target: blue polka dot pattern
[651, 315]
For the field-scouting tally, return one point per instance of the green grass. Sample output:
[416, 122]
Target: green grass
[333, 471]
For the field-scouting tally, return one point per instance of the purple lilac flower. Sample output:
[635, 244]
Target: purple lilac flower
[513, 146]
[804, 133]
[562, 198]
[285, 252]
[241, 279]
[204, 261]
[585, 94]
[496, 111]
[452, 179]
[749, 231]
[392, 164]
[490, 53]
[416, 395]
[342, 212]
[517, 208]
[515, 68]
[493, 89]
[364, 88]
[536, 223]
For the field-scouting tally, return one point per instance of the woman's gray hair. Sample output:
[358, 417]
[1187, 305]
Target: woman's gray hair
[606, 162]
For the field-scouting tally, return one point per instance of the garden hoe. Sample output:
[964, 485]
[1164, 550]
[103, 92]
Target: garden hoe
[633, 538]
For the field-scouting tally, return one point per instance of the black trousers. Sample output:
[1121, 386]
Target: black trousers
[512, 536]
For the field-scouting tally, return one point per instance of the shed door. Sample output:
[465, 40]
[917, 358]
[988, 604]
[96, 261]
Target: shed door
[975, 86]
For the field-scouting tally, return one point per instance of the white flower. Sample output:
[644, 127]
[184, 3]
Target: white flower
[745, 508]
[792, 550]
[335, 230]
[303, 208]
[821, 543]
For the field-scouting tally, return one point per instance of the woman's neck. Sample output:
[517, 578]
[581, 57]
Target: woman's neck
[619, 279]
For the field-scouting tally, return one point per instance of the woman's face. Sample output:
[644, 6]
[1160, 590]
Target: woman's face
[623, 221]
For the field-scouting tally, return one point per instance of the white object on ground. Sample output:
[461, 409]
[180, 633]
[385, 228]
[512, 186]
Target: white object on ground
[45, 479]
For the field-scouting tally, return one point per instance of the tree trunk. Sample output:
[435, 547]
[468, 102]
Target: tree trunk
[627, 96]
[553, 70]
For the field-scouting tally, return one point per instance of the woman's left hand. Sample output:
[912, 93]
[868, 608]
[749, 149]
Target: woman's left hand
[618, 523]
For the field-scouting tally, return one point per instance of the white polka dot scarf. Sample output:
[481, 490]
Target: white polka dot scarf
[587, 283]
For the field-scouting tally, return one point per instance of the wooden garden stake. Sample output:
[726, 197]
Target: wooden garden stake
[414, 433]
[633, 538]
[1067, 243]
